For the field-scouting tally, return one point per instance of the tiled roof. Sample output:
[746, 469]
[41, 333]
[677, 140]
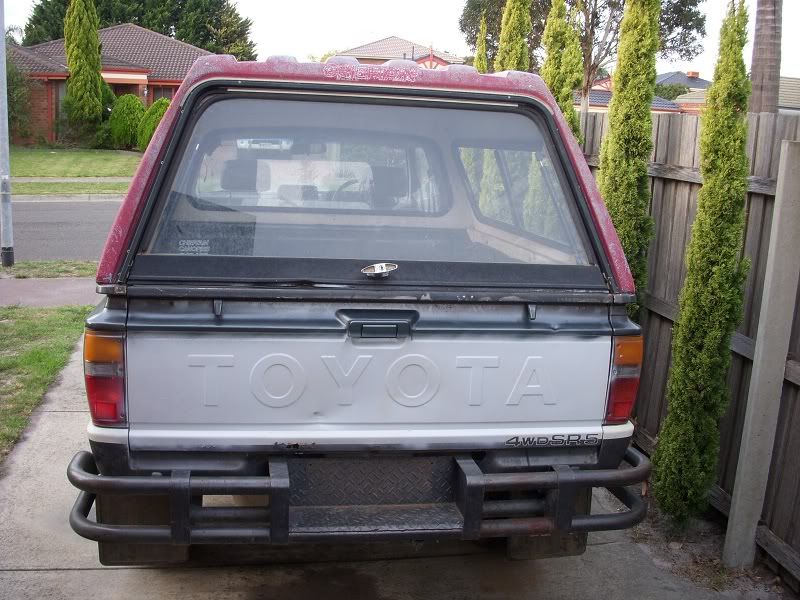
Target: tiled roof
[788, 95]
[395, 47]
[29, 61]
[603, 98]
[693, 97]
[114, 62]
[680, 78]
[136, 47]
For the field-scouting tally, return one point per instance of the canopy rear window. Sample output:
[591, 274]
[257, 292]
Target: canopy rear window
[305, 190]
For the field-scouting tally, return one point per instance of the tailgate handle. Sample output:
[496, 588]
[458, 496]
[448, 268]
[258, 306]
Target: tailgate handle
[378, 329]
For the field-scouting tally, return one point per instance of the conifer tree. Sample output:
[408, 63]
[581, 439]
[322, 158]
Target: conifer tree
[84, 99]
[625, 152]
[493, 201]
[563, 64]
[481, 61]
[512, 52]
[710, 304]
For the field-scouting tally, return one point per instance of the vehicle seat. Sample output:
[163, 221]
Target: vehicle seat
[389, 185]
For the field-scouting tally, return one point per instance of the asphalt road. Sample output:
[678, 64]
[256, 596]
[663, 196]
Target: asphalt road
[45, 230]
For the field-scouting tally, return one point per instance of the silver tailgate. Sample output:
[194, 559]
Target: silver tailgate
[215, 390]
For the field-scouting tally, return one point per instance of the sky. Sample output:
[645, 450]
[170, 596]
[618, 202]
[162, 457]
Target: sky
[313, 27]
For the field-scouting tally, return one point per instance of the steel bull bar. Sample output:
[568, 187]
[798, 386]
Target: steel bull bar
[469, 517]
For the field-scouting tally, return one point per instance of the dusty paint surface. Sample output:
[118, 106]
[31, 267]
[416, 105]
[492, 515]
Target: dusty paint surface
[344, 70]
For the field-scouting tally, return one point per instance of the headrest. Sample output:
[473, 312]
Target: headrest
[389, 184]
[242, 175]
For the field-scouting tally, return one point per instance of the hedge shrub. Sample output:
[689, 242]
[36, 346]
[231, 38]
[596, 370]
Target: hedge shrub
[710, 304]
[151, 119]
[124, 122]
[108, 99]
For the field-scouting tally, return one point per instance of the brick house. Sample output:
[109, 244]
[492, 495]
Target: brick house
[393, 47]
[134, 60]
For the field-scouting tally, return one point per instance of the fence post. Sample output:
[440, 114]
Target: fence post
[769, 363]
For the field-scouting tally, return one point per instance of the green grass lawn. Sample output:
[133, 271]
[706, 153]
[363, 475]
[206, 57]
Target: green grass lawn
[35, 344]
[50, 189]
[26, 269]
[50, 162]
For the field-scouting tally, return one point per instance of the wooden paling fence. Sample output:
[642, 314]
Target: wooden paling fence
[674, 182]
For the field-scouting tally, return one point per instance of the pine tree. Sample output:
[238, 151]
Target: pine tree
[216, 26]
[625, 152]
[710, 304]
[512, 53]
[481, 61]
[83, 103]
[232, 34]
[563, 65]
[46, 22]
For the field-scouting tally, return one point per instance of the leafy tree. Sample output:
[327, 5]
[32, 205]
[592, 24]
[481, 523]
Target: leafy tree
[626, 149]
[84, 86]
[125, 119]
[14, 34]
[682, 27]
[512, 52]
[149, 122]
[710, 304]
[681, 23]
[670, 91]
[563, 66]
[481, 59]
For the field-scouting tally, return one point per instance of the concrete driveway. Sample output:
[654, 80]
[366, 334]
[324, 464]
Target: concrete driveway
[40, 557]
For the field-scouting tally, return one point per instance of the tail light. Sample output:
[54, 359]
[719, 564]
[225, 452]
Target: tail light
[104, 372]
[626, 367]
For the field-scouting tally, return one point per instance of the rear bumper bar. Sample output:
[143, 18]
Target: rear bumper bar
[470, 516]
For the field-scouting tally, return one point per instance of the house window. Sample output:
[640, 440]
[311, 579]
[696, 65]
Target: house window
[163, 91]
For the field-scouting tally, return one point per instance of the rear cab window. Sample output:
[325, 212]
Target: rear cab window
[283, 190]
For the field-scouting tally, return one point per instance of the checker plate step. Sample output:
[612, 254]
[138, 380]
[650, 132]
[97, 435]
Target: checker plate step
[375, 518]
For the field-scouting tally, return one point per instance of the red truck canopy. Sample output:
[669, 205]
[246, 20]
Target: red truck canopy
[346, 70]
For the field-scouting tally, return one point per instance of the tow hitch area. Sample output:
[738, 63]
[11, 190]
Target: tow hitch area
[308, 502]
